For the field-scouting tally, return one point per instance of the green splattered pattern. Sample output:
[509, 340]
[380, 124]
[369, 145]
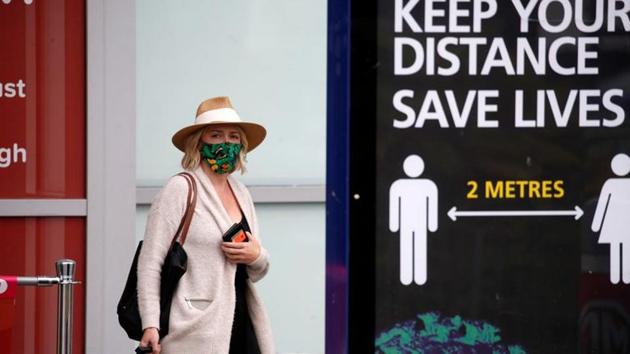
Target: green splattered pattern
[222, 157]
[430, 334]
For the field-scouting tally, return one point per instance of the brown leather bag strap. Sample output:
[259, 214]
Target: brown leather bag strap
[191, 201]
[182, 221]
[191, 209]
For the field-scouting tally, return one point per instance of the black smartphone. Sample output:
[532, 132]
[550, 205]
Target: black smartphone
[235, 233]
[145, 350]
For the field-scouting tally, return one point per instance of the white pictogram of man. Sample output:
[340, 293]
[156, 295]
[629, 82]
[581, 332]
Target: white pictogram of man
[612, 215]
[413, 208]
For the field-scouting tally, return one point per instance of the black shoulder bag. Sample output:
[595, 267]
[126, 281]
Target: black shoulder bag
[172, 270]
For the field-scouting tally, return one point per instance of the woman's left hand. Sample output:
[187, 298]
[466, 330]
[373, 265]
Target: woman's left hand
[242, 252]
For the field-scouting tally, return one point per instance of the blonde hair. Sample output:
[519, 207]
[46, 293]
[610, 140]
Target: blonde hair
[192, 156]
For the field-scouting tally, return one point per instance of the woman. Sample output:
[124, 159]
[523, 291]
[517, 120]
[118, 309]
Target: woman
[611, 217]
[216, 308]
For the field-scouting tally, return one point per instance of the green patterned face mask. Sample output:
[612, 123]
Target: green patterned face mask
[222, 157]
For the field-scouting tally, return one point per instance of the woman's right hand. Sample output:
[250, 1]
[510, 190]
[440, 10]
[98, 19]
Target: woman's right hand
[151, 338]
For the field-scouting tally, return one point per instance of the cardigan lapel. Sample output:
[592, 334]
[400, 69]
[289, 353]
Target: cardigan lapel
[214, 204]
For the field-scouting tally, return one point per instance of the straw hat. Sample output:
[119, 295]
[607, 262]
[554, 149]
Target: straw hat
[219, 110]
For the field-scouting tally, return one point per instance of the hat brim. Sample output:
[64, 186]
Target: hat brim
[254, 132]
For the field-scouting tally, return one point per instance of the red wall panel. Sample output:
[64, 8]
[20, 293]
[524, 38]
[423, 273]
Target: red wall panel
[42, 134]
[42, 155]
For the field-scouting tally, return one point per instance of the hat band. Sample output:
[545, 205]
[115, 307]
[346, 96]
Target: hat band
[218, 115]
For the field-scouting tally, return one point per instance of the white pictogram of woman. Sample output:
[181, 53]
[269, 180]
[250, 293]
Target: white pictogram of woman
[612, 217]
[413, 208]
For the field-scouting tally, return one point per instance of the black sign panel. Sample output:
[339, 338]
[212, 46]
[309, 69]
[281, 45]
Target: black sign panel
[502, 190]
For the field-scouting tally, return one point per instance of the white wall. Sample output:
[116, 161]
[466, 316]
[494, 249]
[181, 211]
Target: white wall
[270, 58]
[110, 179]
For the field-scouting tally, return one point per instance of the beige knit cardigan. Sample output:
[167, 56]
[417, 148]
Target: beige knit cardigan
[202, 310]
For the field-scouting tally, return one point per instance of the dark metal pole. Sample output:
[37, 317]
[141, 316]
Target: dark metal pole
[65, 279]
[65, 273]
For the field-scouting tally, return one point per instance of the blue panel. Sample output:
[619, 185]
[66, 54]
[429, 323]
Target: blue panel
[337, 171]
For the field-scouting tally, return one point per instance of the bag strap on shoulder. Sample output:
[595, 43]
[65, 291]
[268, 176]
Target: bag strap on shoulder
[191, 201]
